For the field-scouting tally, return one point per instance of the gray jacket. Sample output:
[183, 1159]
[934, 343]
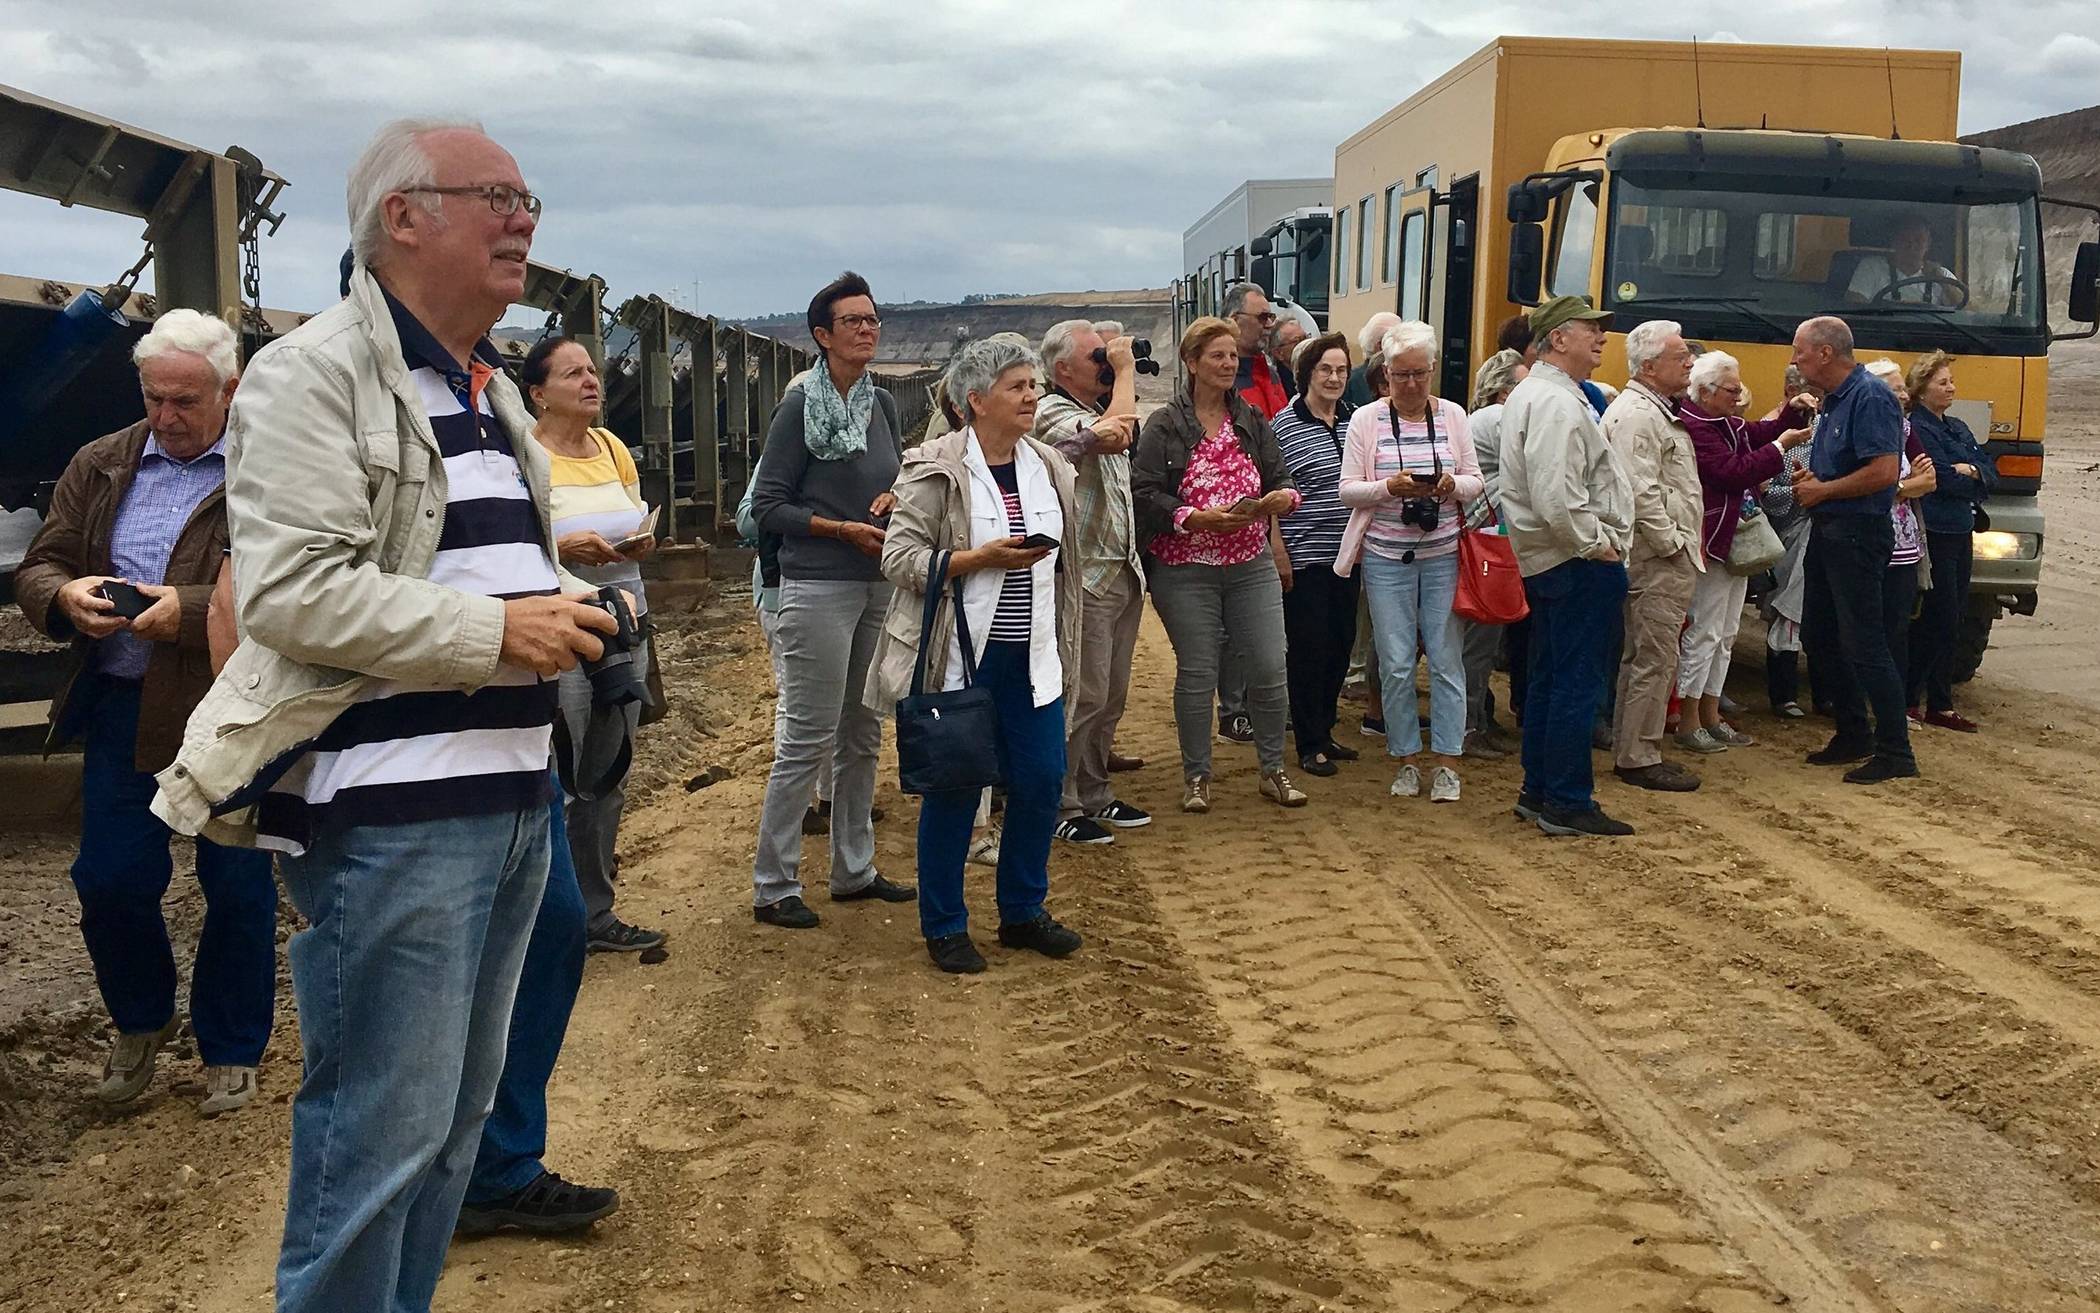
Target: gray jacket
[1656, 453]
[1565, 495]
[335, 498]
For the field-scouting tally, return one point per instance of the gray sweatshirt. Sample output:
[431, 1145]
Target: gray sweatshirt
[792, 485]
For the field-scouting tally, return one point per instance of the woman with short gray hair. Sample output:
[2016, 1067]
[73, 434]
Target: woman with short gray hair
[980, 494]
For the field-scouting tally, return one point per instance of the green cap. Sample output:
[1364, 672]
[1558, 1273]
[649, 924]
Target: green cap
[1561, 309]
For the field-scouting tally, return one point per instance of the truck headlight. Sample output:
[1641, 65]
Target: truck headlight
[1998, 545]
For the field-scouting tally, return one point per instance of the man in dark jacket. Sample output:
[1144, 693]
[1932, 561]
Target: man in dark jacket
[146, 507]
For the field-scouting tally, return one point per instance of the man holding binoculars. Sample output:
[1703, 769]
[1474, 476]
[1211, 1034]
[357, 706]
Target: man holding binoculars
[1090, 415]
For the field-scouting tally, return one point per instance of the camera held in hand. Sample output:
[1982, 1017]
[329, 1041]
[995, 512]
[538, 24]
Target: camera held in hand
[615, 681]
[1420, 512]
[1141, 357]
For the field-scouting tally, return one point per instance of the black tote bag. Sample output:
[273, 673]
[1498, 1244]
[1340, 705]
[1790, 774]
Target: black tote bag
[946, 740]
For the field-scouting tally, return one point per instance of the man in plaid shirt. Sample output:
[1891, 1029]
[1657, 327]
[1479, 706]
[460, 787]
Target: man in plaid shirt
[1090, 414]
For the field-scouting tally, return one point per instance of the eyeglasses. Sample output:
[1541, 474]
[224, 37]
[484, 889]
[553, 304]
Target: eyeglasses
[502, 198]
[1331, 371]
[1407, 375]
[856, 322]
[1266, 318]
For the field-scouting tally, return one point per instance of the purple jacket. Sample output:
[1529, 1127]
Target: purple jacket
[1735, 455]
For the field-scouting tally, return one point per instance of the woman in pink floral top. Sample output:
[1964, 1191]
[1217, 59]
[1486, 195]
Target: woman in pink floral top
[1206, 479]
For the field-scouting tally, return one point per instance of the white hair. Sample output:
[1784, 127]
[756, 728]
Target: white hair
[979, 365]
[1108, 328]
[1059, 341]
[1410, 335]
[1370, 339]
[1885, 369]
[1709, 371]
[192, 332]
[394, 160]
[1644, 344]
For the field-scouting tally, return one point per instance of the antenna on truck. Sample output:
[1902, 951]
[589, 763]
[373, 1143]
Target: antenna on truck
[1698, 87]
[1888, 61]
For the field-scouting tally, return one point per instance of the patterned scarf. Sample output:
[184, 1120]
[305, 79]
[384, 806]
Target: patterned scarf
[835, 427]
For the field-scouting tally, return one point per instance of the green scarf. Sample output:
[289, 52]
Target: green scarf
[835, 427]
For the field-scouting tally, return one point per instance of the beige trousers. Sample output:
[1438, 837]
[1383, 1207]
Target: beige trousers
[1108, 629]
[1658, 595]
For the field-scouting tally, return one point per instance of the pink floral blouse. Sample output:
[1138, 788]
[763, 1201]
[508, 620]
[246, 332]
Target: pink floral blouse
[1219, 474]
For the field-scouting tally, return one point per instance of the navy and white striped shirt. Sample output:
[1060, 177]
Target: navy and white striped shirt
[1013, 621]
[1312, 452]
[410, 753]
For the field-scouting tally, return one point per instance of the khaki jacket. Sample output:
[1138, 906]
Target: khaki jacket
[1663, 467]
[1564, 493]
[75, 541]
[933, 513]
[335, 498]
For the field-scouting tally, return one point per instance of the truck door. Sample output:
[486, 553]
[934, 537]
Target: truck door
[1453, 227]
[1407, 252]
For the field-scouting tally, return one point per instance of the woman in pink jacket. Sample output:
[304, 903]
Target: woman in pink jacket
[1408, 468]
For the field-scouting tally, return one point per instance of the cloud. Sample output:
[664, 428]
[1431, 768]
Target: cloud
[943, 147]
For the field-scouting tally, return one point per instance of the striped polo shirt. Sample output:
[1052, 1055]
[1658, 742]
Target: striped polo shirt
[404, 752]
[1410, 449]
[1013, 619]
[1312, 452]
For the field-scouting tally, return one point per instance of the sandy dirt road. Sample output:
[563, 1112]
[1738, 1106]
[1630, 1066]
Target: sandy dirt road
[1794, 1043]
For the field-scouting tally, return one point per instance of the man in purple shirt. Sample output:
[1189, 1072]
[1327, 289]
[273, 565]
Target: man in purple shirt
[145, 507]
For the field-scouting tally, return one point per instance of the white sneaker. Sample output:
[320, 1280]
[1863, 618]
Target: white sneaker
[1700, 741]
[1443, 786]
[1733, 737]
[128, 1069]
[227, 1089]
[1407, 784]
[985, 851]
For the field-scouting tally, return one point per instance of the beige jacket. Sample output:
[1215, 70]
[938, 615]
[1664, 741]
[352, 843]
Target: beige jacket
[933, 513]
[1564, 493]
[1655, 448]
[335, 497]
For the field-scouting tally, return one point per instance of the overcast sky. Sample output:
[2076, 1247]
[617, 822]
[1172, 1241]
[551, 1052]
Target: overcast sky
[940, 148]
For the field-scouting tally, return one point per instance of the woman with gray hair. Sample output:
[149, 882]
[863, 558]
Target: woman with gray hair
[980, 494]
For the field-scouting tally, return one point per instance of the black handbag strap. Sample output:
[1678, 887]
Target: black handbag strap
[935, 570]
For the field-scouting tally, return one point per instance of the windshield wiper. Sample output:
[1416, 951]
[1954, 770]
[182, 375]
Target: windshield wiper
[1915, 307]
[1744, 305]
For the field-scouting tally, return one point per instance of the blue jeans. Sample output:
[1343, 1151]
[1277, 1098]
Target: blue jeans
[1032, 758]
[121, 875]
[514, 1138]
[1410, 602]
[1574, 606]
[405, 978]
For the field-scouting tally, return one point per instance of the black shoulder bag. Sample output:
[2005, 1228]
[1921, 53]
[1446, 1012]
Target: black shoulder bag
[946, 740]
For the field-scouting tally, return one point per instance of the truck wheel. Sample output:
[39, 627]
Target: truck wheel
[1970, 640]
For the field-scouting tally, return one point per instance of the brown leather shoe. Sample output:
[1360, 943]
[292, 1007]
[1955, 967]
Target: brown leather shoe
[1663, 777]
[1118, 762]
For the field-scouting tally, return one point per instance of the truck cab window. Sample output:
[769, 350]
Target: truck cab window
[1578, 237]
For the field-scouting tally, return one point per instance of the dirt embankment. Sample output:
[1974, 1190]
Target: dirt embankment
[1793, 1043]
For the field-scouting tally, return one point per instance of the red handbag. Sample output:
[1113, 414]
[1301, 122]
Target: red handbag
[1490, 587]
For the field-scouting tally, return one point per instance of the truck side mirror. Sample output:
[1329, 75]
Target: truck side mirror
[1527, 203]
[1527, 262]
[1261, 245]
[1264, 275]
[2085, 284]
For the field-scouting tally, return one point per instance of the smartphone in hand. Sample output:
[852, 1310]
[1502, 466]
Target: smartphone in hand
[1039, 542]
[1248, 506]
[126, 598]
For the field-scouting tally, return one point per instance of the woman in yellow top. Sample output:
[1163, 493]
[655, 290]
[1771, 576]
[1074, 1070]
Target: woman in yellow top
[599, 533]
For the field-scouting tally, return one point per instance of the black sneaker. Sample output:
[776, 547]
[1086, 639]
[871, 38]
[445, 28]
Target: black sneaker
[1840, 752]
[1122, 816]
[1043, 935]
[1374, 727]
[790, 913]
[1528, 807]
[1340, 753]
[1559, 820]
[619, 937]
[549, 1206]
[817, 820]
[955, 954]
[887, 891]
[1237, 729]
[1084, 829]
[1878, 768]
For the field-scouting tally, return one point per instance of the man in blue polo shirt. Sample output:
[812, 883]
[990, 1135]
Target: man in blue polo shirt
[1848, 491]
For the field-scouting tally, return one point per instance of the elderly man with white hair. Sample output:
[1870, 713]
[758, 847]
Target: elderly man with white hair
[386, 721]
[1363, 387]
[1664, 562]
[139, 518]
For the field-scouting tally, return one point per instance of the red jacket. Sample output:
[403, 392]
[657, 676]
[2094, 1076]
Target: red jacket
[1259, 387]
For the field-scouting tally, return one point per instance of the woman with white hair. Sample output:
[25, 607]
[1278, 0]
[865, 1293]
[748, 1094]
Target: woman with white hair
[1365, 382]
[1735, 456]
[979, 494]
[1408, 468]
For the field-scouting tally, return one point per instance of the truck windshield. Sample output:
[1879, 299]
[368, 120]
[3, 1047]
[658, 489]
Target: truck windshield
[1300, 252]
[1751, 264]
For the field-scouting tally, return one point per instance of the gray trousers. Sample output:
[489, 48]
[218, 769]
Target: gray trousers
[1198, 604]
[596, 736]
[827, 630]
[1483, 643]
[1232, 681]
[1108, 630]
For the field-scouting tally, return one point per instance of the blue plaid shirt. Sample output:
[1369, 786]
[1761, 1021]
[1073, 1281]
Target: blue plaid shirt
[163, 495]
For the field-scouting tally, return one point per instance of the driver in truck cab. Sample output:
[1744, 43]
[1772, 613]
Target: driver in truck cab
[1902, 273]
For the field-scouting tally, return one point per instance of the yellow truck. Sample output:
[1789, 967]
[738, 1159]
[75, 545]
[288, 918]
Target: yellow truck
[1737, 189]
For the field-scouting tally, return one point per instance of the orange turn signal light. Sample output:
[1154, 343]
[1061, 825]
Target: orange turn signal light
[2019, 467]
